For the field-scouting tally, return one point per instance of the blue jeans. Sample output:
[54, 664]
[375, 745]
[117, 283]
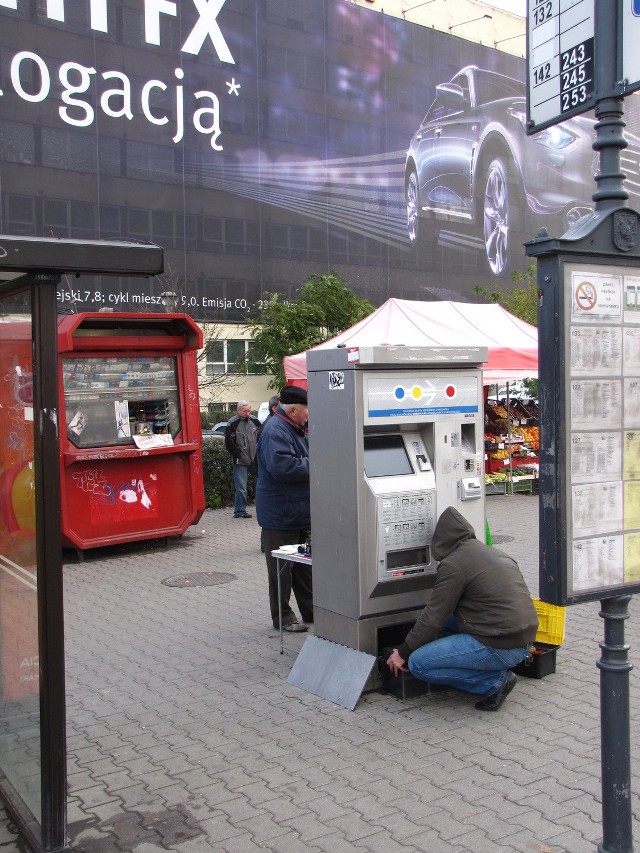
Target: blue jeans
[240, 477]
[463, 662]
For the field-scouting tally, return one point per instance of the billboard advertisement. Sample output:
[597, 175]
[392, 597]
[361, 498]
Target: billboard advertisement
[261, 141]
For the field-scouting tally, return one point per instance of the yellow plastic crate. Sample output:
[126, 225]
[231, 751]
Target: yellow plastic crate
[550, 622]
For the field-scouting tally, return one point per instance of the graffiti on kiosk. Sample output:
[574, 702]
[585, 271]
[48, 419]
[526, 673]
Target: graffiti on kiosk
[94, 482]
[19, 414]
[22, 390]
[134, 492]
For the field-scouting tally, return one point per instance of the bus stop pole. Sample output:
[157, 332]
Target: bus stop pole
[614, 661]
[614, 728]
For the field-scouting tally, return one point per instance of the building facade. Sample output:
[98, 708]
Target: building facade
[261, 141]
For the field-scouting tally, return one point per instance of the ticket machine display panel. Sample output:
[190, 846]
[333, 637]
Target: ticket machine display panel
[385, 456]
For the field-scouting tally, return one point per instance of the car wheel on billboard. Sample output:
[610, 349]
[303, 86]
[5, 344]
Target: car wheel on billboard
[497, 209]
[413, 206]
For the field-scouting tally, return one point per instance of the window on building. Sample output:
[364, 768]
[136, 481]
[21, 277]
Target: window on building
[110, 222]
[223, 356]
[235, 350]
[17, 142]
[21, 215]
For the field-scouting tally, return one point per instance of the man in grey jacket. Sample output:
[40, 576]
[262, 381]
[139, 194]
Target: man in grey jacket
[241, 440]
[479, 622]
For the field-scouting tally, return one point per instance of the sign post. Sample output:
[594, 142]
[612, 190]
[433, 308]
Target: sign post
[589, 315]
[630, 65]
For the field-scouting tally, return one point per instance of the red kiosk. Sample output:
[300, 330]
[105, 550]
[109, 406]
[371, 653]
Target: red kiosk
[130, 448]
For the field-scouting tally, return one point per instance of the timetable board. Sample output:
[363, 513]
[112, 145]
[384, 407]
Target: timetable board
[602, 405]
[560, 48]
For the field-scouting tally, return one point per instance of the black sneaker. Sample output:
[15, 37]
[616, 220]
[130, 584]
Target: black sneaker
[495, 701]
[243, 515]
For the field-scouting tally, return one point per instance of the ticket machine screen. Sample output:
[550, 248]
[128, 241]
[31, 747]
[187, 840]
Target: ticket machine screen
[385, 456]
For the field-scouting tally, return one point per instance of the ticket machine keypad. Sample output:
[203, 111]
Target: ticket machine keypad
[406, 521]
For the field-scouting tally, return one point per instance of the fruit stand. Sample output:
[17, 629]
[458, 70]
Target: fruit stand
[512, 441]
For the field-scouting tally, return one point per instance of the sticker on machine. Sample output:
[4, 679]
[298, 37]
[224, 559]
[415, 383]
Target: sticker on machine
[336, 380]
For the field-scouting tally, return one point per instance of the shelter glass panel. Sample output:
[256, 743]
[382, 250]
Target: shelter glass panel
[20, 748]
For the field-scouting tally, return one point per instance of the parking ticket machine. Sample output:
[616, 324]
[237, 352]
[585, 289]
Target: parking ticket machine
[396, 435]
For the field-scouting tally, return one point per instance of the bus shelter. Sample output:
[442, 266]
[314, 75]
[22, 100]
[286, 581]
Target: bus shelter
[32, 686]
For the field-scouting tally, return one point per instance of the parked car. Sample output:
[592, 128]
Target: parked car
[217, 431]
[212, 434]
[472, 160]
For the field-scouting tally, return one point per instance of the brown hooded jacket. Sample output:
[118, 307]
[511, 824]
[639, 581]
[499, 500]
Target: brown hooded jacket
[481, 586]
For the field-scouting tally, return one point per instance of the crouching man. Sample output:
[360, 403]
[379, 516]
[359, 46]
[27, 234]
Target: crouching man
[479, 622]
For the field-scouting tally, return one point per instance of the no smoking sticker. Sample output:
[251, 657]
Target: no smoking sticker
[586, 296]
[596, 296]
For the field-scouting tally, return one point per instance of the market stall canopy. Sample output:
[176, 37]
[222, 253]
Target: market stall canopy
[512, 343]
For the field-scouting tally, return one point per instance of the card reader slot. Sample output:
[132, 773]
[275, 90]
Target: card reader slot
[408, 558]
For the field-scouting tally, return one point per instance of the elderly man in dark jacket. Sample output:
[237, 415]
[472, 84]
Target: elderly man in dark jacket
[283, 504]
[493, 625]
[241, 440]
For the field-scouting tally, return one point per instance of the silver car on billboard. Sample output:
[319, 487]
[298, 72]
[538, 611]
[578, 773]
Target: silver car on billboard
[471, 160]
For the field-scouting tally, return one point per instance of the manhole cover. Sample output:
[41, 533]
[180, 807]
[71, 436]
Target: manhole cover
[199, 579]
[500, 540]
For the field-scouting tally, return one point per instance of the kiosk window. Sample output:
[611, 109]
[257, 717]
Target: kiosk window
[385, 456]
[109, 399]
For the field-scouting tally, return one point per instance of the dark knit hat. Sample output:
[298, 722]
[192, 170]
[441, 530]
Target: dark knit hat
[293, 394]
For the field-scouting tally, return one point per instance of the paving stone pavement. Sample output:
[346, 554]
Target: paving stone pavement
[183, 734]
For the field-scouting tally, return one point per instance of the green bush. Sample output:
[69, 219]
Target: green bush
[217, 467]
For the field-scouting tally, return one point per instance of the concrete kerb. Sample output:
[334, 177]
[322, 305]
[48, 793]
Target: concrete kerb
[183, 734]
